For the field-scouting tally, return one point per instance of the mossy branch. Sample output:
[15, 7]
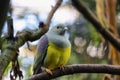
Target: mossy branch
[9, 45]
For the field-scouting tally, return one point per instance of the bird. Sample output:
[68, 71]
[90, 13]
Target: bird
[53, 50]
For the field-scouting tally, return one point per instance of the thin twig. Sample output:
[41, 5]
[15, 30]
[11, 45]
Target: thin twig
[10, 27]
[54, 8]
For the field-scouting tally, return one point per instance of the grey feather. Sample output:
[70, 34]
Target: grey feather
[41, 53]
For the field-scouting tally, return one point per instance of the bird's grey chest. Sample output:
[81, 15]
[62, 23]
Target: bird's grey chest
[60, 41]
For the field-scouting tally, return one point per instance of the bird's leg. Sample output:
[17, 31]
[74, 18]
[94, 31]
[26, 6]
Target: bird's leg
[62, 67]
[48, 71]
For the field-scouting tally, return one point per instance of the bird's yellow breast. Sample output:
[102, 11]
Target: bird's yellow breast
[56, 56]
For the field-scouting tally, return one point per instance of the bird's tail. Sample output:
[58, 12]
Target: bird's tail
[37, 70]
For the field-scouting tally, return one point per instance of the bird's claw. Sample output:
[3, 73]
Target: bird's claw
[62, 67]
[48, 71]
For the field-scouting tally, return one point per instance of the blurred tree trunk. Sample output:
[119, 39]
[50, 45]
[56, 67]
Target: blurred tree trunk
[100, 10]
[111, 18]
[114, 55]
[3, 12]
[110, 23]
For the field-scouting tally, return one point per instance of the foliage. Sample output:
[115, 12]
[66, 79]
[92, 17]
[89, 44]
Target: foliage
[84, 29]
[94, 35]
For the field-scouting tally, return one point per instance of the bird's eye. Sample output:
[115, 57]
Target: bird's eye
[58, 27]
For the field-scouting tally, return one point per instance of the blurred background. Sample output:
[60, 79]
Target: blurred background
[87, 44]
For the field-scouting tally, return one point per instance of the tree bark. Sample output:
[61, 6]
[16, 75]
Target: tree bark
[77, 68]
[3, 12]
[9, 46]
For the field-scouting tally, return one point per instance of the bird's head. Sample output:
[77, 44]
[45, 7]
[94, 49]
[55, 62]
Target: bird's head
[59, 29]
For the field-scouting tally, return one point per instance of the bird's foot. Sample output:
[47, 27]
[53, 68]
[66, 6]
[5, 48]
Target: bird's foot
[62, 67]
[48, 71]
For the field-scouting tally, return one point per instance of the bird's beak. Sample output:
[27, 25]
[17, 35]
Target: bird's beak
[65, 28]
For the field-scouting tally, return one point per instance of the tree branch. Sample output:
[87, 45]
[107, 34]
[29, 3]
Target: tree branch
[9, 48]
[99, 27]
[78, 68]
[34, 35]
[10, 28]
[52, 12]
[3, 12]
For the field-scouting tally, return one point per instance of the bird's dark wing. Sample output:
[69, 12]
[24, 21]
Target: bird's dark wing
[41, 53]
